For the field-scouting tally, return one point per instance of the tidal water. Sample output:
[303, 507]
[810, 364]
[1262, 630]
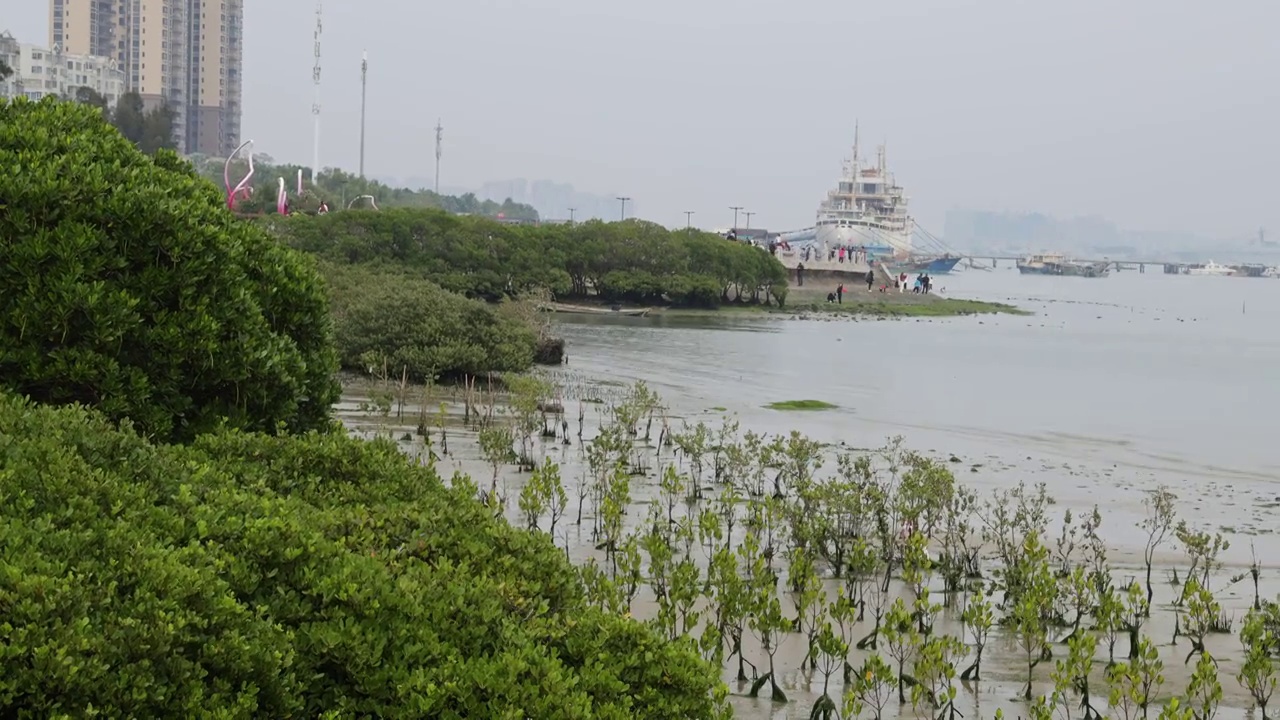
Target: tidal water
[1122, 382]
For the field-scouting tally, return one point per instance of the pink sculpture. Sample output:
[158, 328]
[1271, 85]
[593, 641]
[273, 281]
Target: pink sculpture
[241, 190]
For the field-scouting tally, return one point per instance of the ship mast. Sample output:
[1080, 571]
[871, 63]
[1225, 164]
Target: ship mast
[855, 148]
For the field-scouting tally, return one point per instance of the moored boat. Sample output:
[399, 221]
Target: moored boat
[1212, 268]
[1054, 264]
[932, 265]
[866, 210]
[588, 310]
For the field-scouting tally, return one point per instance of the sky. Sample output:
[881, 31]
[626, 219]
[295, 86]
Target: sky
[1155, 114]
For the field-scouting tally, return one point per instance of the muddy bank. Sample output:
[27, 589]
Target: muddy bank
[1076, 487]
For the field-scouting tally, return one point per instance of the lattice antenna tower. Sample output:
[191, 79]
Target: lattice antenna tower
[439, 141]
[315, 105]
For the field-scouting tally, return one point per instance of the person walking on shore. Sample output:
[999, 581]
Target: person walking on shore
[840, 293]
[871, 279]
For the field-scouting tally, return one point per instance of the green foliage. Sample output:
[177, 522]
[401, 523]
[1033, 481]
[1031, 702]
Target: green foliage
[5, 71]
[800, 405]
[412, 324]
[338, 188]
[1204, 691]
[632, 261]
[1135, 684]
[125, 285]
[1258, 671]
[310, 576]
[150, 130]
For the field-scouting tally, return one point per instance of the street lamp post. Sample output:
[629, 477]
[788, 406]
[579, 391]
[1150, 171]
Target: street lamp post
[748, 214]
[623, 200]
[571, 215]
[735, 209]
[688, 219]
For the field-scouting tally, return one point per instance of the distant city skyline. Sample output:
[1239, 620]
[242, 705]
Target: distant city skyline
[1152, 113]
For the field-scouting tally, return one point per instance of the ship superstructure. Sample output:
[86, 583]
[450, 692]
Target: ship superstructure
[866, 210]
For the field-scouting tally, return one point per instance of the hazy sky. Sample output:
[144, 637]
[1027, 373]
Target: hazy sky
[1157, 114]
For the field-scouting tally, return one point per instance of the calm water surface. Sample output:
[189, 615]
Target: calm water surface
[1171, 374]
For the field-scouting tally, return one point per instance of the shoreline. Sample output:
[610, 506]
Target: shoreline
[809, 302]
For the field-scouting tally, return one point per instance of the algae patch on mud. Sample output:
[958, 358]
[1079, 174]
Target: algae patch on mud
[800, 405]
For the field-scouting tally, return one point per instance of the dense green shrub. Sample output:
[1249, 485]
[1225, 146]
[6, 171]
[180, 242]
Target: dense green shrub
[404, 322]
[630, 261]
[254, 576]
[126, 285]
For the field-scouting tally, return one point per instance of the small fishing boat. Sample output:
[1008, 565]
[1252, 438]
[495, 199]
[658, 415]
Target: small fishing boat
[1212, 269]
[588, 310]
[930, 264]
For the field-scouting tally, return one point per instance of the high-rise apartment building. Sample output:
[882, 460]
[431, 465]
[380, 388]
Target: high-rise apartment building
[182, 53]
[39, 71]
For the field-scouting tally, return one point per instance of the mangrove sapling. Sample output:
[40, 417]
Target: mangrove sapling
[871, 689]
[843, 612]
[1095, 553]
[978, 618]
[1009, 517]
[878, 600]
[902, 642]
[495, 445]
[526, 402]
[711, 645]
[1077, 591]
[809, 599]
[829, 652]
[1072, 674]
[533, 499]
[1176, 709]
[731, 596]
[1066, 545]
[1135, 684]
[686, 592]
[934, 670]
[694, 444]
[1197, 618]
[629, 567]
[1258, 671]
[769, 624]
[725, 437]
[1030, 615]
[917, 568]
[1203, 549]
[1157, 524]
[727, 508]
[924, 493]
[657, 544]
[800, 459]
[617, 498]
[671, 489]
[1133, 611]
[600, 590]
[1108, 616]
[1204, 691]
[710, 532]
[861, 576]
[957, 561]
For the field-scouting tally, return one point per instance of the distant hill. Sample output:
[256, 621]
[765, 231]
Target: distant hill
[550, 199]
[1007, 233]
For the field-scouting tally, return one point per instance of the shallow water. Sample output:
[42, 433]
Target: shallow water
[1127, 381]
[1113, 387]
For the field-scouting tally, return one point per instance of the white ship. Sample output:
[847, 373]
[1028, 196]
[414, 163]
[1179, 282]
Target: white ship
[866, 210]
[1212, 268]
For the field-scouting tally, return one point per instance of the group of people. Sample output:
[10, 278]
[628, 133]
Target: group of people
[923, 285]
[840, 253]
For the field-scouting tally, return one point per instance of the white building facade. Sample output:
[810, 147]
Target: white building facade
[39, 72]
